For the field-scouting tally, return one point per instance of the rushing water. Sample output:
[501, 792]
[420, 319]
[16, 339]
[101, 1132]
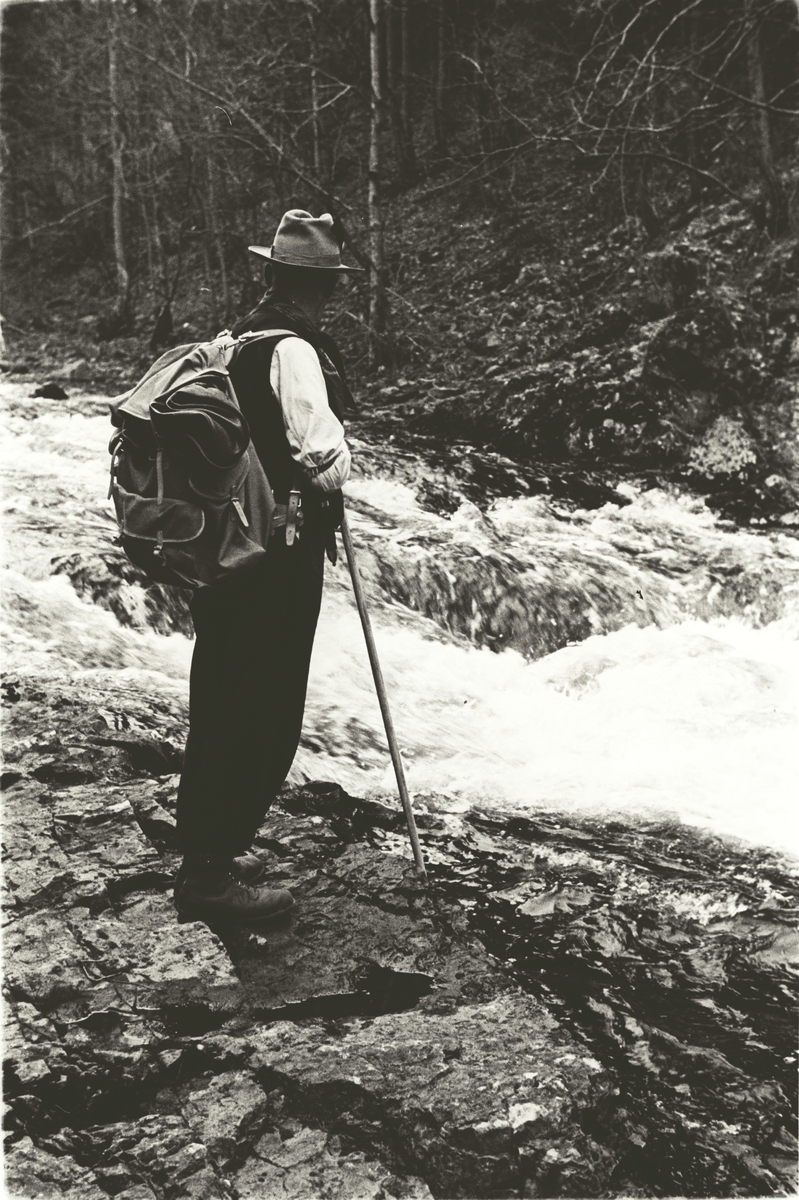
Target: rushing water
[677, 694]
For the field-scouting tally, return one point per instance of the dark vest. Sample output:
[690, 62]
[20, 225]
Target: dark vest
[260, 406]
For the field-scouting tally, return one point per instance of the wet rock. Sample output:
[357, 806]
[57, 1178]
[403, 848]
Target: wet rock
[394, 943]
[50, 391]
[72, 963]
[68, 720]
[32, 1049]
[160, 1152]
[43, 960]
[110, 579]
[73, 847]
[310, 1162]
[31, 1172]
[152, 962]
[154, 820]
[227, 1115]
[457, 1097]
[572, 1006]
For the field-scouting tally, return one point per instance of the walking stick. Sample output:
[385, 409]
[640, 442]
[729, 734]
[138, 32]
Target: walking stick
[382, 696]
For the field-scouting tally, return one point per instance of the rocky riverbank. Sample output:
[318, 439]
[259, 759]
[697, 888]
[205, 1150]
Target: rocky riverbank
[568, 1008]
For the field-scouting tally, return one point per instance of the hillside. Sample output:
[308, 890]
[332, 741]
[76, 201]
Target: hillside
[566, 346]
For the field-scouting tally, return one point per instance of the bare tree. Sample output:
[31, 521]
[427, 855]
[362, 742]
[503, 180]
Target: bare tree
[777, 216]
[121, 316]
[377, 289]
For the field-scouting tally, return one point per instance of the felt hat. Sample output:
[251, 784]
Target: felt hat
[305, 241]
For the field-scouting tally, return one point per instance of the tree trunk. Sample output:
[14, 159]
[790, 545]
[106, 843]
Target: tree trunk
[439, 129]
[210, 282]
[216, 238]
[122, 307]
[405, 71]
[377, 291]
[776, 200]
[317, 157]
[397, 89]
[158, 245]
[141, 185]
[314, 46]
[696, 183]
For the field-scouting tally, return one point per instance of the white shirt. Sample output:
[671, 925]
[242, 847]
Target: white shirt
[315, 434]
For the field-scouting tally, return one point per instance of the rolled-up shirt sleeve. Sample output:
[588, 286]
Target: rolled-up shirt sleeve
[315, 434]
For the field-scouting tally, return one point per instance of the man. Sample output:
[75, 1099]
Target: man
[255, 632]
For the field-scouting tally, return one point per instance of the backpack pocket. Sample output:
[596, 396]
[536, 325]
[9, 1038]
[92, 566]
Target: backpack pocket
[162, 538]
[164, 522]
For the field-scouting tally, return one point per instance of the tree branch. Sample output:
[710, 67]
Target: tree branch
[61, 220]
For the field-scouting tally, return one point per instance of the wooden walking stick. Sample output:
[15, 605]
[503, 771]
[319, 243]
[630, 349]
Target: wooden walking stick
[382, 696]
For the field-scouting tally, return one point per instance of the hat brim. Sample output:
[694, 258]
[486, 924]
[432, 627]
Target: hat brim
[266, 252]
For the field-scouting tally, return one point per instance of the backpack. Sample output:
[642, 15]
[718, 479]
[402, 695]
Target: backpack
[192, 500]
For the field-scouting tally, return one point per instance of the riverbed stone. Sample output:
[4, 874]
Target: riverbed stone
[34, 1174]
[367, 928]
[311, 1163]
[227, 1114]
[459, 1096]
[73, 963]
[71, 847]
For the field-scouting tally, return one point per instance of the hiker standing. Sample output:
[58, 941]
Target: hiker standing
[255, 631]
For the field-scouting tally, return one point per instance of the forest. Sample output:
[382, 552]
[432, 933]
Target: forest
[523, 180]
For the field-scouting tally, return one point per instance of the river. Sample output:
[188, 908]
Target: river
[636, 659]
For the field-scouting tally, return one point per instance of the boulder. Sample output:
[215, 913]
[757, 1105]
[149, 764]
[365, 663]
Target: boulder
[726, 450]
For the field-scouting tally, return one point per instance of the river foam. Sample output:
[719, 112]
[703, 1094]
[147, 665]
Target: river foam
[693, 719]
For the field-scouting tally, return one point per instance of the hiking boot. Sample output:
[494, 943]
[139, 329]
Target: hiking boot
[247, 868]
[208, 889]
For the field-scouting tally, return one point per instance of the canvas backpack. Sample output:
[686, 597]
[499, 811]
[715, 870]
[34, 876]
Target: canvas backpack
[192, 500]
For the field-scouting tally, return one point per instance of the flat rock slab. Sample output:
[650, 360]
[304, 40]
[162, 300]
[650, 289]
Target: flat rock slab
[70, 963]
[72, 846]
[482, 1094]
[367, 932]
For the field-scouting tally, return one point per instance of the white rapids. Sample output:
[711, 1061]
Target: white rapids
[695, 719]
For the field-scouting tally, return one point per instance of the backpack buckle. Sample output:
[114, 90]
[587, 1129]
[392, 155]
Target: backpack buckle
[292, 510]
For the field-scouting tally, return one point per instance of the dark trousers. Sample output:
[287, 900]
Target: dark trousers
[249, 673]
